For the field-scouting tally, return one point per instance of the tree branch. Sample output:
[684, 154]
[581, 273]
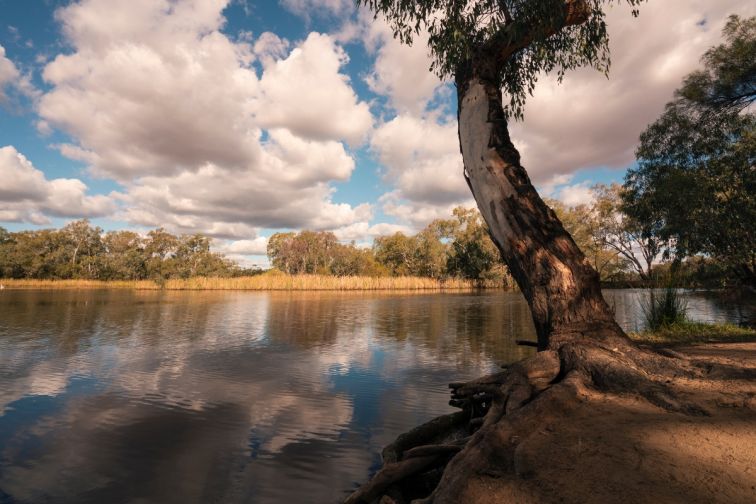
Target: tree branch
[515, 35]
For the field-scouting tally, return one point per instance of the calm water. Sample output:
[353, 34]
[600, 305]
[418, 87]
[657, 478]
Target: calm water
[117, 396]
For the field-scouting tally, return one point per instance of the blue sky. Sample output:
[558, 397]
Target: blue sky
[241, 118]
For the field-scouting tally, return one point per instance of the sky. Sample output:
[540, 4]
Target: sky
[242, 118]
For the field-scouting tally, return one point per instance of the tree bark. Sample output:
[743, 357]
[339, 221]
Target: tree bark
[559, 284]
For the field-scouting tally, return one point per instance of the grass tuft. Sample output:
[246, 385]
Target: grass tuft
[695, 332]
[665, 309]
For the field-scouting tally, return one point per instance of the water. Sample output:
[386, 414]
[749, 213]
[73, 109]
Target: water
[120, 396]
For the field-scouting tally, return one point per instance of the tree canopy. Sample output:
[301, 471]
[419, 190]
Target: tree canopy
[516, 40]
[695, 177]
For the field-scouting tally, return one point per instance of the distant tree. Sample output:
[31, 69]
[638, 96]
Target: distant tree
[634, 237]
[194, 258]
[589, 227]
[125, 257]
[159, 248]
[84, 246]
[695, 180]
[350, 260]
[472, 253]
[398, 253]
[308, 252]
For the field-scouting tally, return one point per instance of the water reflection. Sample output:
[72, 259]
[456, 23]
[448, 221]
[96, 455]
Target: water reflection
[229, 396]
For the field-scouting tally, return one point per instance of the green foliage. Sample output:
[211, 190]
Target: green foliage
[458, 247]
[398, 253]
[319, 252]
[664, 310]
[518, 40]
[81, 251]
[472, 254]
[728, 80]
[695, 183]
[696, 332]
[591, 226]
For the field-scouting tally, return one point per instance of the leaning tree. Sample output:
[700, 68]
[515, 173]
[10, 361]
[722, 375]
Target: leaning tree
[494, 49]
[490, 46]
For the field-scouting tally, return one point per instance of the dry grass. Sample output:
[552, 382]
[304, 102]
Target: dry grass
[263, 282]
[78, 284]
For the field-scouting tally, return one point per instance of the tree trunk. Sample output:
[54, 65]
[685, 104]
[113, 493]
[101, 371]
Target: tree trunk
[559, 284]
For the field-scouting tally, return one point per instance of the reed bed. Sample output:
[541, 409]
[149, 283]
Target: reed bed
[259, 283]
[78, 284]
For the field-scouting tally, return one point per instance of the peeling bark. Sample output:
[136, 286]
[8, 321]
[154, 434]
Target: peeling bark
[561, 287]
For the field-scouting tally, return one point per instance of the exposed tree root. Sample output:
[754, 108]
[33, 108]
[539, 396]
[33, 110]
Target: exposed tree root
[435, 461]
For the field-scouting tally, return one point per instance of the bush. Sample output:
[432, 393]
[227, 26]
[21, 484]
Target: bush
[664, 310]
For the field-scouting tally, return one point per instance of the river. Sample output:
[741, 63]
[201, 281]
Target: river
[143, 396]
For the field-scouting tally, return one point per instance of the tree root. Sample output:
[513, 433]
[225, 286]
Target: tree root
[496, 406]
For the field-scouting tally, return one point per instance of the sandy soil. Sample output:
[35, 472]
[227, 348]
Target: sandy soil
[621, 449]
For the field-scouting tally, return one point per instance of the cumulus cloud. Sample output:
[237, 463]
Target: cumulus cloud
[422, 159]
[258, 246]
[560, 187]
[589, 121]
[422, 162]
[306, 94]
[12, 78]
[287, 189]
[158, 98]
[151, 88]
[400, 72]
[363, 233]
[28, 196]
[310, 8]
[586, 122]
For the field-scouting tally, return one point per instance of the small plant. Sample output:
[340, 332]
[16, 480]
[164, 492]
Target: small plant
[665, 309]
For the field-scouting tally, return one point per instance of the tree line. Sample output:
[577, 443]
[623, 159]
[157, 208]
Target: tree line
[82, 251]
[457, 247]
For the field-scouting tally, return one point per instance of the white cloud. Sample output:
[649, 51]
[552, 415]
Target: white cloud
[287, 188]
[306, 94]
[422, 158]
[269, 47]
[313, 8]
[258, 246]
[8, 73]
[402, 72]
[363, 233]
[28, 196]
[156, 97]
[11, 77]
[589, 121]
[586, 122]
[152, 88]
[422, 161]
[559, 187]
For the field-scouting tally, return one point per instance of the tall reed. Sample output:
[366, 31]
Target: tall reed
[260, 283]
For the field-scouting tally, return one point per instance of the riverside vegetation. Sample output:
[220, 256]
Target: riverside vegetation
[454, 253]
[594, 416]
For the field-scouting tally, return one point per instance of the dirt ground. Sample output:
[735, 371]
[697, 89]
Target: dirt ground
[621, 449]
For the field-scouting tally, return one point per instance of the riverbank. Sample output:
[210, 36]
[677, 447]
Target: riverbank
[593, 447]
[690, 333]
[263, 282]
[626, 425]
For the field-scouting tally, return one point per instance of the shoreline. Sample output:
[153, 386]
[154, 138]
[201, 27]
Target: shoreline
[259, 283]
